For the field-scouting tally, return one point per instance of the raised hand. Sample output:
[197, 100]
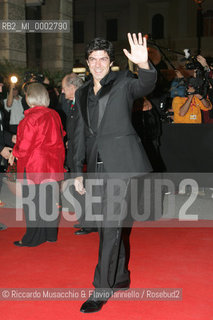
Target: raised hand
[202, 61]
[139, 52]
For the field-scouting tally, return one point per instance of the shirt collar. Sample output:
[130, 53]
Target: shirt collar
[110, 76]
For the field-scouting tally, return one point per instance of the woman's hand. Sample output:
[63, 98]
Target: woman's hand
[11, 159]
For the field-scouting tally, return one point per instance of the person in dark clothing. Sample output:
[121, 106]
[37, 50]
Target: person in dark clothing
[52, 94]
[70, 83]
[6, 143]
[5, 140]
[105, 136]
[146, 121]
[5, 113]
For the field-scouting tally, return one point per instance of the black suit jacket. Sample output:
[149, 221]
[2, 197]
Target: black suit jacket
[5, 136]
[116, 140]
[69, 110]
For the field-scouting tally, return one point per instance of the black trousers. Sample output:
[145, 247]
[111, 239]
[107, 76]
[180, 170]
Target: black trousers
[41, 214]
[115, 228]
[111, 269]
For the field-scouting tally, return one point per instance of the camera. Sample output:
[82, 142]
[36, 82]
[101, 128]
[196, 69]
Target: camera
[33, 77]
[200, 82]
[30, 77]
[165, 105]
[193, 64]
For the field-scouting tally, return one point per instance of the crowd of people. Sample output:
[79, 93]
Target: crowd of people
[193, 97]
[188, 97]
[90, 125]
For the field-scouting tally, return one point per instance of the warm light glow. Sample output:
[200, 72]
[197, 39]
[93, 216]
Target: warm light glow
[13, 79]
[115, 68]
[79, 70]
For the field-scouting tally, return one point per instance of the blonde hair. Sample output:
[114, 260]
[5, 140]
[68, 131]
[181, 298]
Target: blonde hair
[37, 95]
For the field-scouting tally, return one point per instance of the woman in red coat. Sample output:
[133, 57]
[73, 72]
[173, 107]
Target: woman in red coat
[40, 154]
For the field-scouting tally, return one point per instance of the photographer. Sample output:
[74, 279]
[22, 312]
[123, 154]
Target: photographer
[188, 109]
[178, 86]
[146, 122]
[208, 67]
[13, 105]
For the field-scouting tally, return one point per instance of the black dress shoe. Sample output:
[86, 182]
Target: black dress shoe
[85, 231]
[92, 306]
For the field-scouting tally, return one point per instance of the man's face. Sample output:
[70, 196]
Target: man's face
[68, 90]
[99, 64]
[1, 86]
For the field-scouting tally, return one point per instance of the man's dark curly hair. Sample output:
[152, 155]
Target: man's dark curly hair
[100, 44]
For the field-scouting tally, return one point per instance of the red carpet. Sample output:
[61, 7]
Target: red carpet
[160, 258]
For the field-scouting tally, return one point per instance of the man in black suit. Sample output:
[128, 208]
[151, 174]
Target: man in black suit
[70, 83]
[6, 139]
[104, 133]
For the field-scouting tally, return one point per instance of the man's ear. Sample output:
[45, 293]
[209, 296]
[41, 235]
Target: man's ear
[87, 62]
[111, 64]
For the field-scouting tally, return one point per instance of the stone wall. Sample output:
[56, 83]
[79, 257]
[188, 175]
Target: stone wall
[57, 48]
[13, 45]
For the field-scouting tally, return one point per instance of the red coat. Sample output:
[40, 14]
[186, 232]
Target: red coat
[40, 148]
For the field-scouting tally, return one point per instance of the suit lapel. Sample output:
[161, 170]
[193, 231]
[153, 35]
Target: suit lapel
[84, 107]
[103, 100]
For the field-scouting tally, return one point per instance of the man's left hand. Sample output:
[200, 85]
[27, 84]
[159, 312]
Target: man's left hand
[139, 52]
